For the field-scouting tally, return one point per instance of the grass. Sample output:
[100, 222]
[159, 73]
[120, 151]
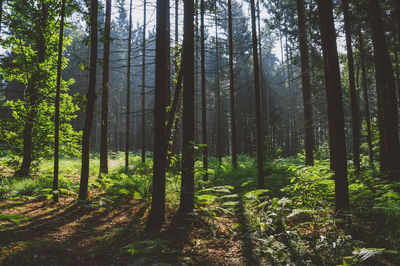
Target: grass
[291, 222]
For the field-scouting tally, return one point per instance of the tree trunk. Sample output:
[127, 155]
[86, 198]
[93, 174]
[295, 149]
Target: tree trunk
[105, 93]
[1, 13]
[306, 85]
[187, 185]
[218, 92]
[128, 90]
[335, 104]
[57, 105]
[257, 98]
[386, 89]
[90, 100]
[366, 100]
[353, 94]
[157, 213]
[143, 85]
[27, 136]
[232, 88]
[203, 93]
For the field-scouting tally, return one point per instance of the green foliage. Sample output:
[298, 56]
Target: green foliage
[31, 60]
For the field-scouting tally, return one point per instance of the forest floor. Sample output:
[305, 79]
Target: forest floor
[291, 223]
[41, 232]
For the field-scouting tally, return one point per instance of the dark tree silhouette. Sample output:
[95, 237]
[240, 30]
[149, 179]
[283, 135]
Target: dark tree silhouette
[203, 92]
[157, 213]
[257, 97]
[187, 185]
[335, 105]
[306, 84]
[90, 100]
[57, 105]
[128, 91]
[105, 93]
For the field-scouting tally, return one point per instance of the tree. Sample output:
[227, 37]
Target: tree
[128, 90]
[385, 86]
[157, 213]
[353, 94]
[187, 184]
[232, 87]
[257, 98]
[105, 93]
[57, 105]
[1, 13]
[337, 140]
[364, 85]
[144, 85]
[306, 84]
[218, 89]
[90, 100]
[203, 92]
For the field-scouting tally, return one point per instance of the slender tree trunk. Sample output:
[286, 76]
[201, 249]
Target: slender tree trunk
[353, 94]
[187, 185]
[232, 87]
[218, 92]
[366, 100]
[105, 93]
[335, 104]
[144, 85]
[306, 85]
[91, 97]
[386, 90]
[57, 105]
[203, 93]
[35, 81]
[128, 90]
[257, 98]
[157, 213]
[264, 101]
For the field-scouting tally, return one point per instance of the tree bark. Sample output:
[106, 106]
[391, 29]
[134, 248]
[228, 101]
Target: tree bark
[232, 87]
[306, 85]
[335, 104]
[386, 90]
[187, 185]
[128, 90]
[353, 94]
[203, 93]
[33, 84]
[57, 105]
[257, 98]
[157, 213]
[366, 100]
[105, 93]
[90, 101]
[218, 92]
[143, 85]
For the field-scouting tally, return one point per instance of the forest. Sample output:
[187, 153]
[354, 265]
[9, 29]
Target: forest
[204, 132]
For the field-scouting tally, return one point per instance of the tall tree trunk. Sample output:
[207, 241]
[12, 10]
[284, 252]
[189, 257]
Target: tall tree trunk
[157, 213]
[257, 98]
[353, 94]
[187, 185]
[128, 90]
[57, 105]
[144, 85]
[203, 93]
[33, 84]
[105, 93]
[306, 85]
[386, 89]
[335, 104]
[366, 100]
[90, 97]
[218, 91]
[232, 87]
